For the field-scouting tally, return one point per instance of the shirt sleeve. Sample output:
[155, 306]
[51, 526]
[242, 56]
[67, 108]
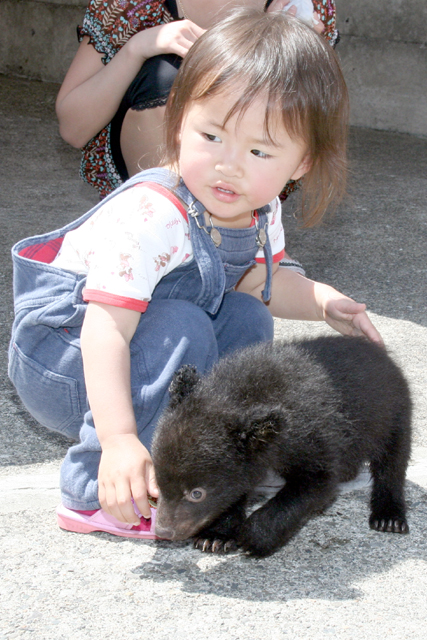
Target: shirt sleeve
[276, 234]
[143, 237]
[109, 24]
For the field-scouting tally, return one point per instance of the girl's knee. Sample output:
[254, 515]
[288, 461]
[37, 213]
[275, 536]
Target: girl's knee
[255, 319]
[242, 321]
[179, 330]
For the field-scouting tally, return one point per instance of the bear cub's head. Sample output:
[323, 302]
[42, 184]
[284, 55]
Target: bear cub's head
[203, 453]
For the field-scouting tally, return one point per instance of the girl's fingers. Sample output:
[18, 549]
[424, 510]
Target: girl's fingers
[118, 503]
[140, 498]
[140, 490]
[367, 329]
[153, 489]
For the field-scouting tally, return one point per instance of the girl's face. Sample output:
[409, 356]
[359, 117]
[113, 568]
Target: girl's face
[234, 169]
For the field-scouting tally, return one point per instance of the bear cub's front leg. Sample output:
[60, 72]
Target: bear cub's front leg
[272, 526]
[221, 536]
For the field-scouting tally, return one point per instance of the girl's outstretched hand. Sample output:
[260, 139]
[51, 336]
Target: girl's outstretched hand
[349, 318]
[126, 471]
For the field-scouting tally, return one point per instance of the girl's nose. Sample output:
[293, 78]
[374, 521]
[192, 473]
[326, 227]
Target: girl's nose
[230, 165]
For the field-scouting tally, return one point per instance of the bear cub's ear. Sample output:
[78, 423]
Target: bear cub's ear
[183, 382]
[261, 427]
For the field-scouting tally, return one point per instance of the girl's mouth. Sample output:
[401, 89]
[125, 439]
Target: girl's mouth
[225, 195]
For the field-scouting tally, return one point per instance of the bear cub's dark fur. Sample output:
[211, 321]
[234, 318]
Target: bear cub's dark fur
[312, 411]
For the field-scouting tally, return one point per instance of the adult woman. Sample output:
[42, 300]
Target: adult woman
[111, 102]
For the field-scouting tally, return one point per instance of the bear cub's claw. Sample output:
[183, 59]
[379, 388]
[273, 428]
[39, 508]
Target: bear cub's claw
[390, 525]
[214, 546]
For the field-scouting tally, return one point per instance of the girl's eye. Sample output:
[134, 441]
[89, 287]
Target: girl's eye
[259, 154]
[211, 137]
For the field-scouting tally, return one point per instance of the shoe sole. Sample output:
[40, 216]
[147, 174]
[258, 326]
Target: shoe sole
[75, 526]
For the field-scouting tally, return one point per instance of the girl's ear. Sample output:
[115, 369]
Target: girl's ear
[303, 167]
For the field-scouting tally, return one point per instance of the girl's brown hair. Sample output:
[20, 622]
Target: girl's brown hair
[275, 55]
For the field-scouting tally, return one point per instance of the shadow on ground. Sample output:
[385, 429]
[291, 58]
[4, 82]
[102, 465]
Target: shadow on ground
[331, 554]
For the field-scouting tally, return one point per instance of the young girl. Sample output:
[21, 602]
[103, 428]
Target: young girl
[181, 264]
[112, 100]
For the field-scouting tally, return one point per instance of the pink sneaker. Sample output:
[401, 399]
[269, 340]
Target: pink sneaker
[88, 521]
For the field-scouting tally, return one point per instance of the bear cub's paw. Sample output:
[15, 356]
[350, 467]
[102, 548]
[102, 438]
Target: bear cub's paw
[390, 525]
[214, 545]
[221, 536]
[256, 548]
[256, 538]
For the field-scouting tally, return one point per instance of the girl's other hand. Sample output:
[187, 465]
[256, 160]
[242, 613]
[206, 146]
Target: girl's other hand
[126, 471]
[173, 37]
[279, 5]
[350, 318]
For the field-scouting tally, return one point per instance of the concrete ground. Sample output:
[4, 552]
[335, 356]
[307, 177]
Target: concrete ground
[337, 578]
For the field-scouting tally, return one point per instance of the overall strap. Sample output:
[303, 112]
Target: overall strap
[205, 254]
[268, 254]
[207, 258]
[202, 243]
[161, 176]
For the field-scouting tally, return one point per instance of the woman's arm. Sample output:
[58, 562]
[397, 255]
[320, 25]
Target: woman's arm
[295, 297]
[91, 92]
[126, 469]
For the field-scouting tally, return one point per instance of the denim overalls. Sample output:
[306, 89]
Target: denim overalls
[194, 317]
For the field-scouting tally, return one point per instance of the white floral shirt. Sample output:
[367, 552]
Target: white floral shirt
[134, 240]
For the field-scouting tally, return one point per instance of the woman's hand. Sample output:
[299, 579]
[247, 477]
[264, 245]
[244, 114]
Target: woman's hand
[126, 472]
[91, 92]
[278, 5]
[173, 37]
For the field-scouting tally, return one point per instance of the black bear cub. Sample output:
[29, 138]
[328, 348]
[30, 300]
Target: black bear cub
[312, 411]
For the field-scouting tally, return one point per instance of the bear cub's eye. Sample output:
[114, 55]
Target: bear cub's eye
[196, 495]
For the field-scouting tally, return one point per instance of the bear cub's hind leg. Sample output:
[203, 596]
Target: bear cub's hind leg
[388, 512]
